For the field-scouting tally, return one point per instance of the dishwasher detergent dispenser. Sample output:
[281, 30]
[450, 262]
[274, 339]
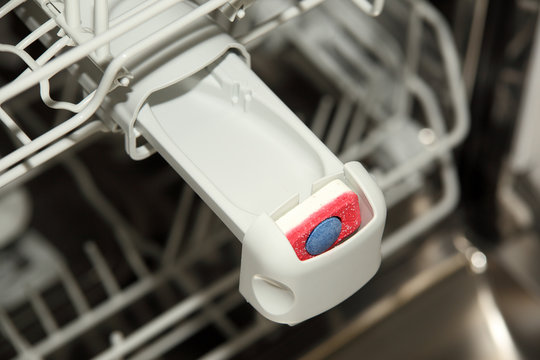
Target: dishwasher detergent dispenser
[310, 226]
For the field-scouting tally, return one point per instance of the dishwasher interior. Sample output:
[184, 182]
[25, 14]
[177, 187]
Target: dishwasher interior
[105, 257]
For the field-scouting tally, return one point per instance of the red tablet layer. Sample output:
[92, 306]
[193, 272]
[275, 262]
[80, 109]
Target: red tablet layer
[345, 207]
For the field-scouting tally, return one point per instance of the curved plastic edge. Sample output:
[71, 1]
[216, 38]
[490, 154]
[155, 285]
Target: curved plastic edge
[204, 45]
[286, 290]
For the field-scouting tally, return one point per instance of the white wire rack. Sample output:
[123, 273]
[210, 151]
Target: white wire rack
[375, 112]
[370, 111]
[64, 17]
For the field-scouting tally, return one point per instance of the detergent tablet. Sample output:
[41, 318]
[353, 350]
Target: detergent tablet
[321, 221]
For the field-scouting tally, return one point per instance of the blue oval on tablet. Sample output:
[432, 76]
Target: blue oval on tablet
[323, 236]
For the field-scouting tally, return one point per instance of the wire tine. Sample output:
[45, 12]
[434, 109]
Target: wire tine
[123, 232]
[179, 225]
[72, 13]
[26, 170]
[19, 343]
[202, 225]
[172, 316]
[168, 341]
[358, 125]
[103, 271]
[101, 25]
[69, 94]
[183, 331]
[36, 34]
[215, 240]
[371, 8]
[12, 126]
[44, 314]
[413, 48]
[34, 65]
[9, 6]
[132, 294]
[246, 338]
[322, 116]
[339, 124]
[279, 19]
[73, 290]
[117, 338]
[189, 283]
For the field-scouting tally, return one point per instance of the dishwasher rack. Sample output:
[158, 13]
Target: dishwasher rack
[50, 143]
[361, 125]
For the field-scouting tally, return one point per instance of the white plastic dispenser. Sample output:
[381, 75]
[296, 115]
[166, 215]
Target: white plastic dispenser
[252, 161]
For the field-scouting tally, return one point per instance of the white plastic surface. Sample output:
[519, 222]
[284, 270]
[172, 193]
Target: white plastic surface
[251, 160]
[287, 290]
[235, 142]
[247, 156]
[168, 329]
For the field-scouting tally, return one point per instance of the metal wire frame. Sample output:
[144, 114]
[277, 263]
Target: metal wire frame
[357, 147]
[405, 234]
[373, 9]
[142, 343]
[394, 241]
[110, 76]
[441, 149]
[43, 69]
[119, 298]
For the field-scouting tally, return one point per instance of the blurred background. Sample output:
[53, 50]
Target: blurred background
[102, 256]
